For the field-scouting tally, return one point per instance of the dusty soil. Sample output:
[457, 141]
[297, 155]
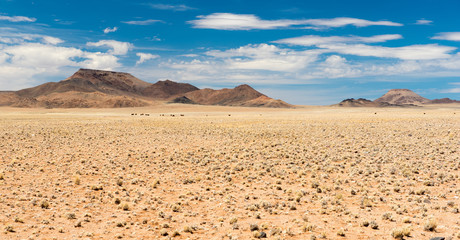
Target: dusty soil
[229, 173]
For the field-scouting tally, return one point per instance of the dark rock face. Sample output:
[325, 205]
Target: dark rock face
[183, 99]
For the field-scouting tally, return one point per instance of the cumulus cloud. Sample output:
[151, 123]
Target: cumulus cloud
[52, 40]
[178, 8]
[109, 30]
[450, 36]
[30, 59]
[16, 38]
[117, 48]
[452, 90]
[17, 19]
[423, 22]
[343, 21]
[311, 40]
[143, 22]
[97, 60]
[145, 57]
[230, 21]
[412, 52]
[37, 55]
[265, 57]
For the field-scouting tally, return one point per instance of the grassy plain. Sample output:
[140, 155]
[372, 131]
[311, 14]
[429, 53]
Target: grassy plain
[229, 173]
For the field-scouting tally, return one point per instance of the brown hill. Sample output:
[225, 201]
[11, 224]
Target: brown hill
[97, 88]
[264, 101]
[167, 89]
[108, 81]
[402, 97]
[360, 102]
[242, 95]
[226, 96]
[443, 101]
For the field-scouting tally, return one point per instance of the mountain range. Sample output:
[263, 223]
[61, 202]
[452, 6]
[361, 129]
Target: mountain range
[97, 88]
[107, 89]
[395, 98]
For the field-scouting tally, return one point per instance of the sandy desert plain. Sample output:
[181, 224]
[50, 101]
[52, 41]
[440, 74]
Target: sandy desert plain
[230, 173]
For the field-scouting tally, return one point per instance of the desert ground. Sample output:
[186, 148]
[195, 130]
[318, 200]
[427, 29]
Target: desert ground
[207, 172]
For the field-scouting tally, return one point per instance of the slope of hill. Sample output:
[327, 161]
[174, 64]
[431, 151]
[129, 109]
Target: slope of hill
[226, 96]
[401, 97]
[443, 101]
[167, 89]
[109, 80]
[360, 102]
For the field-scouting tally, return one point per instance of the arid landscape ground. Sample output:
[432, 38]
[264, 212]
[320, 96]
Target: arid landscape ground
[210, 172]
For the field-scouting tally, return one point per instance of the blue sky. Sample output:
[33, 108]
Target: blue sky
[304, 52]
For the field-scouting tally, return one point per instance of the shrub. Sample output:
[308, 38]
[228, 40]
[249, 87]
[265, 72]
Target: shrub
[341, 232]
[400, 233]
[374, 225]
[125, 207]
[45, 204]
[430, 225]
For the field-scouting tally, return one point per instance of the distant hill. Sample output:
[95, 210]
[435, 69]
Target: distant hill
[361, 102]
[242, 95]
[443, 101]
[395, 98]
[167, 89]
[96, 88]
[402, 96]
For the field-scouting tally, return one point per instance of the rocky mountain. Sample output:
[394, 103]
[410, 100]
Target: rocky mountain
[401, 97]
[395, 98]
[97, 88]
[242, 95]
[443, 101]
[166, 89]
[360, 102]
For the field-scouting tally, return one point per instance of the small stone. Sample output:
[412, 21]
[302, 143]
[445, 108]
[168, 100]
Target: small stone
[263, 235]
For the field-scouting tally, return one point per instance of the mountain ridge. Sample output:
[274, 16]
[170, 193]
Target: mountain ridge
[97, 88]
[395, 98]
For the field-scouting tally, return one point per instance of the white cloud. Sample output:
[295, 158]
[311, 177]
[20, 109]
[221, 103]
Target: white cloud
[30, 59]
[343, 21]
[109, 30]
[37, 55]
[100, 61]
[178, 8]
[16, 38]
[17, 19]
[145, 57]
[265, 57]
[143, 22]
[52, 40]
[423, 22]
[451, 36]
[453, 90]
[412, 52]
[118, 48]
[230, 21]
[311, 40]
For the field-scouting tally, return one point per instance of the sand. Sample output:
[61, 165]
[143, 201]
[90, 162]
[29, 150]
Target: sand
[229, 173]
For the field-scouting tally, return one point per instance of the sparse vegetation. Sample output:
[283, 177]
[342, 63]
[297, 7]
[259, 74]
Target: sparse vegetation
[300, 174]
[400, 233]
[430, 226]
